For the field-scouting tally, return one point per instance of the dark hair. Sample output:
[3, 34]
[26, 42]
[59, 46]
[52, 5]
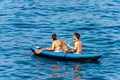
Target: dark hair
[54, 36]
[77, 35]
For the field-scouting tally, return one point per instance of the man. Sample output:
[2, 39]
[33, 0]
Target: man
[56, 45]
[77, 46]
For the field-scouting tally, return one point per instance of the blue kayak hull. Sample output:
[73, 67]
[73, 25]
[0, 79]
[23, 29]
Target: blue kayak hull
[67, 56]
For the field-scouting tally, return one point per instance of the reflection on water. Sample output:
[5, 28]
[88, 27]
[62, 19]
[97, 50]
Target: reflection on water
[38, 64]
[77, 67]
[78, 77]
[54, 67]
[57, 75]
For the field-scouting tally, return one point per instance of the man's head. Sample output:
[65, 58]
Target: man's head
[76, 36]
[54, 36]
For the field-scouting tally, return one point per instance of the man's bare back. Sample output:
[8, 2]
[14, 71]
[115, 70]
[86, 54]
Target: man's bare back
[56, 45]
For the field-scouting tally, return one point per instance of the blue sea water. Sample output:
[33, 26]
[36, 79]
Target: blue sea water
[31, 22]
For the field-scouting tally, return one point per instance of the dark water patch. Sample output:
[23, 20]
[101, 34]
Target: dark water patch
[67, 9]
[110, 17]
[6, 66]
[3, 15]
[110, 4]
[22, 14]
[97, 78]
[115, 27]
[116, 12]
[22, 62]
[20, 76]
[87, 28]
[41, 14]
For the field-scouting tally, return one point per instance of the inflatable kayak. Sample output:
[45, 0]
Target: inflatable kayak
[67, 56]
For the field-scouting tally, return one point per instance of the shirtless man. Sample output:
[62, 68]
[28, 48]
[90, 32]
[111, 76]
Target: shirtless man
[77, 46]
[56, 45]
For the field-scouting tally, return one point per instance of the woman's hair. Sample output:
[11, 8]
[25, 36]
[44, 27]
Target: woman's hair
[54, 36]
[77, 35]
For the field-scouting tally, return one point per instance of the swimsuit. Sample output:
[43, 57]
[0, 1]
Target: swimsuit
[58, 51]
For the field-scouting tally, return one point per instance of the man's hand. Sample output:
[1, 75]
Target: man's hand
[68, 45]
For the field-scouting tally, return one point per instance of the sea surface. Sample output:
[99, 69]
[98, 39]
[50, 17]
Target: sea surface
[31, 22]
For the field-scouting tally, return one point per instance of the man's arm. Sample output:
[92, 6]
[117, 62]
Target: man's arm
[52, 47]
[74, 48]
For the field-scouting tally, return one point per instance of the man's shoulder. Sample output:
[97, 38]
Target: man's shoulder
[79, 41]
[54, 41]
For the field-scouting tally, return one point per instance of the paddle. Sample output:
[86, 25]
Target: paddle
[64, 46]
[38, 51]
[63, 42]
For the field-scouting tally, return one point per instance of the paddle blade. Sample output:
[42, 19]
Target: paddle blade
[65, 48]
[38, 51]
[63, 42]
